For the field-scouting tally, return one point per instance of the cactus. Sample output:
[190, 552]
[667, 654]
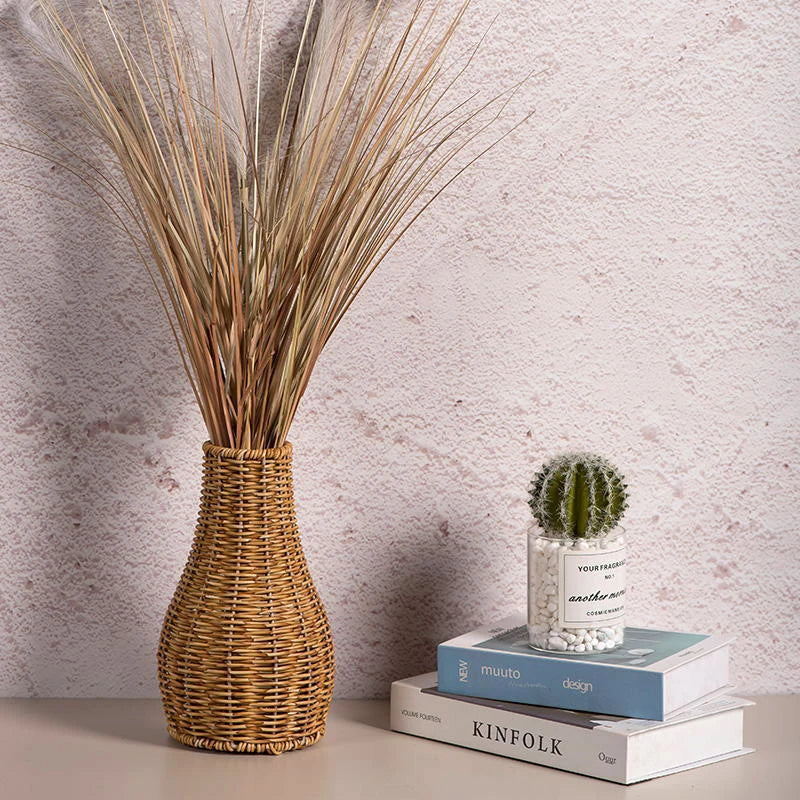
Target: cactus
[578, 495]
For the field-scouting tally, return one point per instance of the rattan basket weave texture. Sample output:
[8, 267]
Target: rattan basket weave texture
[245, 659]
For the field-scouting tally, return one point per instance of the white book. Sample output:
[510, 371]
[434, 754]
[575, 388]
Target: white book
[619, 749]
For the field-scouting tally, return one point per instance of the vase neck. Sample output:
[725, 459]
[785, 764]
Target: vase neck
[245, 496]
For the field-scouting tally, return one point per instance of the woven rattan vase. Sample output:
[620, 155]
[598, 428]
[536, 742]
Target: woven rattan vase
[245, 660]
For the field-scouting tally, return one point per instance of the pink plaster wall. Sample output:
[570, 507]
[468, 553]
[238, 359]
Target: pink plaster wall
[620, 275]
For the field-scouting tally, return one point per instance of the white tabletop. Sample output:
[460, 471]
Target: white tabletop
[118, 749]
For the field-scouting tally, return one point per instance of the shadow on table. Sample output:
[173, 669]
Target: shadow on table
[138, 721]
[364, 712]
[142, 721]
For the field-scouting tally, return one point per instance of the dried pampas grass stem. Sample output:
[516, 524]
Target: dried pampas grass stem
[263, 224]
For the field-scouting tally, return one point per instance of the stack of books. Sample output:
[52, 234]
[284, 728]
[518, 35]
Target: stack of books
[657, 704]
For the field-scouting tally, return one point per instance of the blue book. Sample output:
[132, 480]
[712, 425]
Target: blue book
[652, 675]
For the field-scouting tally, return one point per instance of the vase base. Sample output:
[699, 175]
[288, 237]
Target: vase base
[274, 747]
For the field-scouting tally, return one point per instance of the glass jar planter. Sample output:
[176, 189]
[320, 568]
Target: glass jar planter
[576, 592]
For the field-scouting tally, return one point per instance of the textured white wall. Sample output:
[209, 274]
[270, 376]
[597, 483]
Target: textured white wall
[620, 275]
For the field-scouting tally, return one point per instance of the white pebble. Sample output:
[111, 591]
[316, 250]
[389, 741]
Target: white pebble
[579, 648]
[557, 643]
[589, 648]
[600, 646]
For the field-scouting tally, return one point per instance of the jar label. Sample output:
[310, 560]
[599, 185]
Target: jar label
[591, 587]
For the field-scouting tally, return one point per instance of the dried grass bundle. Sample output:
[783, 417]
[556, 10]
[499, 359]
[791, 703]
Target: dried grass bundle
[263, 227]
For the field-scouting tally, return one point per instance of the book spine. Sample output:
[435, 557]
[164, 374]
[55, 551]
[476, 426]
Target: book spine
[574, 684]
[593, 752]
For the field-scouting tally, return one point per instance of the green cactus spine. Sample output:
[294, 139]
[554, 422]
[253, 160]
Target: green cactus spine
[578, 495]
